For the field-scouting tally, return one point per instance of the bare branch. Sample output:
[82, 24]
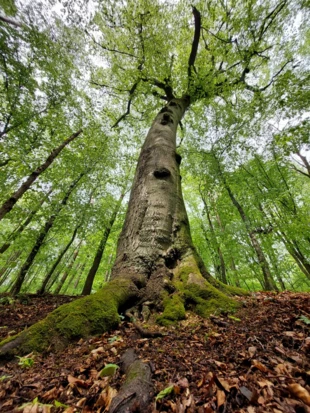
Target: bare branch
[257, 89]
[271, 17]
[10, 21]
[131, 93]
[301, 172]
[217, 37]
[109, 49]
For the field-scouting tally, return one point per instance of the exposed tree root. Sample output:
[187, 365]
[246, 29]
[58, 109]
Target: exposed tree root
[147, 334]
[81, 318]
[136, 393]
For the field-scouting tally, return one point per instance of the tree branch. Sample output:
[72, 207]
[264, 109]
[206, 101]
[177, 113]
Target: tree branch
[272, 15]
[108, 49]
[193, 54]
[131, 93]
[10, 21]
[261, 89]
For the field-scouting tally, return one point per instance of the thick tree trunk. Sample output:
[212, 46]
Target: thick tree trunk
[48, 225]
[100, 250]
[9, 203]
[20, 229]
[59, 258]
[156, 263]
[155, 248]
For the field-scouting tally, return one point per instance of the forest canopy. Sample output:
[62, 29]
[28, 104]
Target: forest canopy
[80, 85]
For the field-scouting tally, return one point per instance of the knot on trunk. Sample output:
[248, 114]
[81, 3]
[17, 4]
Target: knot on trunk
[161, 173]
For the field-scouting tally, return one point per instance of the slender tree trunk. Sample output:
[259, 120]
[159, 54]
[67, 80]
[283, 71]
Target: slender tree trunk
[296, 254]
[48, 276]
[268, 280]
[100, 250]
[45, 230]
[221, 267]
[9, 203]
[19, 230]
[67, 271]
[57, 275]
[4, 270]
[79, 276]
[75, 273]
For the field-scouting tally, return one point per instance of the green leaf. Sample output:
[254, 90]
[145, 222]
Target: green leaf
[108, 370]
[305, 319]
[164, 393]
[234, 318]
[58, 404]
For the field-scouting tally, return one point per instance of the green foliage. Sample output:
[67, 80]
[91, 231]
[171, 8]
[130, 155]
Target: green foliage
[250, 107]
[26, 361]
[164, 393]
[108, 370]
[304, 319]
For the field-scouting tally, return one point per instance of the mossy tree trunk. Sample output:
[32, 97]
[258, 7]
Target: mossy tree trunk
[156, 262]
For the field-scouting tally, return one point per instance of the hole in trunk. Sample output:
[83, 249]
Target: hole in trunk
[166, 119]
[161, 173]
[178, 158]
[172, 257]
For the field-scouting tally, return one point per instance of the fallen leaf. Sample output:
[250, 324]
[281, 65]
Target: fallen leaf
[260, 366]
[105, 398]
[220, 398]
[77, 382]
[300, 392]
[246, 392]
[183, 383]
[252, 351]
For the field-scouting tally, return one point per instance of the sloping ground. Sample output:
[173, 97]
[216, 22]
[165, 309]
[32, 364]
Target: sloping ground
[257, 361]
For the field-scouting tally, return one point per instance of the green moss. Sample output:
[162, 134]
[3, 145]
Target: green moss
[89, 315]
[173, 310]
[229, 289]
[207, 300]
[187, 266]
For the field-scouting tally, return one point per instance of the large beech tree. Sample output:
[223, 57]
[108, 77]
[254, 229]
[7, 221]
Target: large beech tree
[236, 51]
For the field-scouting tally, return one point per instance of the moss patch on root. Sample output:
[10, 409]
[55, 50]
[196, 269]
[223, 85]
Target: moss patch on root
[174, 311]
[86, 316]
[206, 300]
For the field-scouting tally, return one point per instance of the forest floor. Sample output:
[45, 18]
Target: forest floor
[257, 361]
